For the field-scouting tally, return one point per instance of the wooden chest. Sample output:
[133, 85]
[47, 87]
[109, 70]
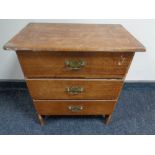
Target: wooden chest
[74, 69]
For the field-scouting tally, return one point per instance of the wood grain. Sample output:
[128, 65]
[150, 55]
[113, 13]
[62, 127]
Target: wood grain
[52, 64]
[51, 107]
[93, 88]
[43, 48]
[74, 37]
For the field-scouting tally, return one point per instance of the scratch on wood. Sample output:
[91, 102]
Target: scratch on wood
[121, 61]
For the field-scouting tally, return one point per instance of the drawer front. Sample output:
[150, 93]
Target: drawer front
[50, 107]
[74, 88]
[77, 64]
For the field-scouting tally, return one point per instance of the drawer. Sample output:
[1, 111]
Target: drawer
[74, 88]
[74, 64]
[61, 107]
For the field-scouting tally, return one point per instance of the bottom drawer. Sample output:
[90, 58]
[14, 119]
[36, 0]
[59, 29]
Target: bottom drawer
[68, 107]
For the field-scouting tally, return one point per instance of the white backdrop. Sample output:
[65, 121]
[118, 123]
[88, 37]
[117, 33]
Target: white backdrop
[143, 65]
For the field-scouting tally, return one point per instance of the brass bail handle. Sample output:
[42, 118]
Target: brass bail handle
[75, 64]
[74, 90]
[75, 108]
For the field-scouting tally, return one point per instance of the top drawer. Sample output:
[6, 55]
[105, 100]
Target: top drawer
[74, 64]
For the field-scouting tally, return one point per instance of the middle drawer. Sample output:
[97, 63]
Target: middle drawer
[74, 88]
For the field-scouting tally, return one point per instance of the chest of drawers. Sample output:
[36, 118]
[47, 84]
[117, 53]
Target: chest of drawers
[74, 69]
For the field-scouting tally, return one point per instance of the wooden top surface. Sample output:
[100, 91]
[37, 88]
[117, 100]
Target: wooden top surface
[74, 37]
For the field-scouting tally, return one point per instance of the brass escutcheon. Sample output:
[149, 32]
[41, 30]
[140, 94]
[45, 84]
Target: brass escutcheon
[75, 108]
[75, 64]
[74, 90]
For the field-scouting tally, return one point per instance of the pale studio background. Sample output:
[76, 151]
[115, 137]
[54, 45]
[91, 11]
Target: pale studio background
[143, 65]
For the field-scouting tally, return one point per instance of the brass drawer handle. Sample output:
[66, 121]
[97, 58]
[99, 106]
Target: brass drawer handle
[74, 90]
[75, 64]
[75, 108]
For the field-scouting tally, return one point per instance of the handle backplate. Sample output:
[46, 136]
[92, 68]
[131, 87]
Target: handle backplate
[75, 64]
[75, 108]
[74, 90]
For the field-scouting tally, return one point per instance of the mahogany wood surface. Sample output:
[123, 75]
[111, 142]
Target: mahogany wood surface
[56, 88]
[52, 64]
[74, 37]
[43, 50]
[51, 107]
